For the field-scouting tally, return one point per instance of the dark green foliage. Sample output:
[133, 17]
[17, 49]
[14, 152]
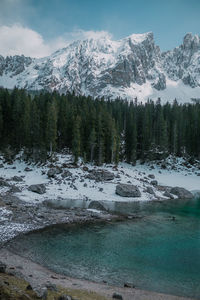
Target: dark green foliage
[97, 130]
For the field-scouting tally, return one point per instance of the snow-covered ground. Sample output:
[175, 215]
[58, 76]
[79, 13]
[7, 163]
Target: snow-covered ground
[188, 178]
[79, 187]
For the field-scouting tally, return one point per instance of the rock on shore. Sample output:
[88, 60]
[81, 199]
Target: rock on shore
[127, 190]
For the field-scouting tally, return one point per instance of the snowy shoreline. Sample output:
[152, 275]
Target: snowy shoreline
[77, 185]
[73, 195]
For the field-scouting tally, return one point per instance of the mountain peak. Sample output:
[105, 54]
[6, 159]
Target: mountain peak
[100, 66]
[191, 42]
[140, 37]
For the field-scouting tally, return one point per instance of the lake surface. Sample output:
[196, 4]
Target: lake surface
[160, 252]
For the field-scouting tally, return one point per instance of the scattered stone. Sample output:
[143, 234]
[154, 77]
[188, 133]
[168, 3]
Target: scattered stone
[127, 190]
[163, 166]
[71, 166]
[54, 171]
[16, 178]
[181, 193]
[129, 285]
[65, 297]
[2, 267]
[4, 183]
[66, 174]
[54, 277]
[27, 169]
[100, 175]
[85, 169]
[29, 288]
[117, 296]
[151, 176]
[37, 188]
[52, 287]
[1, 165]
[14, 189]
[96, 205]
[150, 190]
[100, 189]
[154, 182]
[168, 195]
[41, 292]
[85, 185]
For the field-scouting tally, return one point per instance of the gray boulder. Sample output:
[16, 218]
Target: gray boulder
[96, 205]
[151, 176]
[54, 171]
[4, 183]
[168, 195]
[52, 287]
[117, 296]
[27, 169]
[15, 189]
[181, 193]
[154, 182]
[65, 297]
[101, 175]
[41, 292]
[37, 188]
[150, 190]
[127, 190]
[66, 174]
[16, 178]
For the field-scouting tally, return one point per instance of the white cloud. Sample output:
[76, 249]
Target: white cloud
[17, 39]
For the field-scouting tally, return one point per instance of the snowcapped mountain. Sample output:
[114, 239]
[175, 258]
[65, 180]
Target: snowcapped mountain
[128, 68]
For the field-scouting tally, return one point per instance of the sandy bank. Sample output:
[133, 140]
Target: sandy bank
[36, 275]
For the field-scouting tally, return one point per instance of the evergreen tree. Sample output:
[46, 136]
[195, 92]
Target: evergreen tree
[100, 141]
[98, 130]
[76, 143]
[92, 144]
[51, 128]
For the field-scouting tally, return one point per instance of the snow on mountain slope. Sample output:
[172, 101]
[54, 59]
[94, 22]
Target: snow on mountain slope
[128, 68]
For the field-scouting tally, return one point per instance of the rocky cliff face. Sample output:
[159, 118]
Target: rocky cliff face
[128, 68]
[184, 62]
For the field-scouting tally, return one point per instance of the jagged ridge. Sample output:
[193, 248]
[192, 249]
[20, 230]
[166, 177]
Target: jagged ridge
[128, 68]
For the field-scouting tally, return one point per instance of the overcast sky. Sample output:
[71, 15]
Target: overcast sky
[38, 27]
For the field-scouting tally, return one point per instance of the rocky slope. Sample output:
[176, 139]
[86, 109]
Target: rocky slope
[128, 68]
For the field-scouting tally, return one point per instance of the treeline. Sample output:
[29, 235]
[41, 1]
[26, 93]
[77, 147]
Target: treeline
[99, 131]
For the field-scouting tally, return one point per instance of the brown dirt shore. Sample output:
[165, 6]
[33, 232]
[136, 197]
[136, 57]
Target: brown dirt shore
[36, 275]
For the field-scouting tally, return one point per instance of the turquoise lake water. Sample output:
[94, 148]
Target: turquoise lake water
[157, 252]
